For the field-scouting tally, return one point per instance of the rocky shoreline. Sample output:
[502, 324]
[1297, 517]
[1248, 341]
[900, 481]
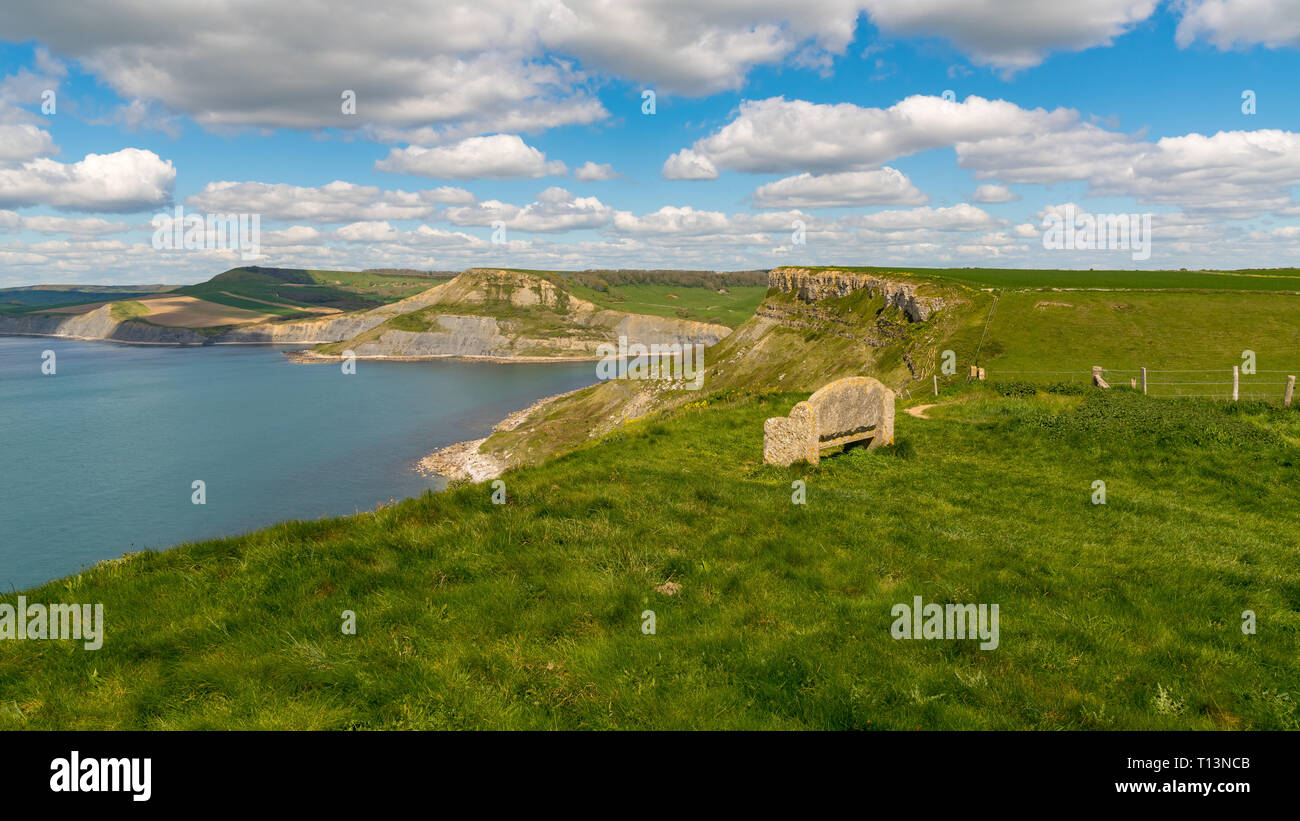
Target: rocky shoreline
[463, 461]
[312, 358]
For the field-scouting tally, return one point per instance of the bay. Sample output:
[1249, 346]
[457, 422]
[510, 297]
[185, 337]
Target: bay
[100, 458]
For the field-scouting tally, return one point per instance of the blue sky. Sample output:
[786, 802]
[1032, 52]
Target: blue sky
[830, 115]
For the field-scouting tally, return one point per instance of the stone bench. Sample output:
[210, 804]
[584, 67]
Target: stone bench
[845, 411]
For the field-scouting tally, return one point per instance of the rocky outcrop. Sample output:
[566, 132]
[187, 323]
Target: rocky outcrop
[802, 316]
[463, 459]
[481, 285]
[813, 286]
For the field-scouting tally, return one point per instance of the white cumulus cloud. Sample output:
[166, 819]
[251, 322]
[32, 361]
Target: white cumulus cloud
[593, 172]
[132, 179]
[19, 143]
[994, 193]
[1230, 24]
[961, 217]
[337, 201]
[780, 135]
[497, 156]
[688, 165]
[880, 186]
[1011, 34]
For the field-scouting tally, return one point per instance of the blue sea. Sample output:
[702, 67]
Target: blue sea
[100, 458]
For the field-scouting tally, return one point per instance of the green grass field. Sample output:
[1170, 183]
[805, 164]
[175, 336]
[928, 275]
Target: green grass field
[1189, 342]
[1281, 279]
[699, 304]
[529, 614]
[127, 309]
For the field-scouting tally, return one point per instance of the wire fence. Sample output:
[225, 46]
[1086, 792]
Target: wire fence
[1228, 383]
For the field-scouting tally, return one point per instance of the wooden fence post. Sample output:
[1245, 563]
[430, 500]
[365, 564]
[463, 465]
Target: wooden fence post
[1144, 381]
[1097, 378]
[981, 374]
[1236, 380]
[1290, 389]
[936, 384]
[973, 372]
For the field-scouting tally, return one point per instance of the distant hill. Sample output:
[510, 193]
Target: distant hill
[479, 313]
[506, 313]
[28, 296]
[194, 314]
[287, 289]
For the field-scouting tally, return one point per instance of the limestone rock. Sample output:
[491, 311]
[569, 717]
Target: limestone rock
[812, 286]
[847, 410]
[790, 439]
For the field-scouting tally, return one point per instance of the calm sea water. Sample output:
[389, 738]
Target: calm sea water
[99, 459]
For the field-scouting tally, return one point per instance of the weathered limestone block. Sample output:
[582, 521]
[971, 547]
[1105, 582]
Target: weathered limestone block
[848, 410]
[790, 439]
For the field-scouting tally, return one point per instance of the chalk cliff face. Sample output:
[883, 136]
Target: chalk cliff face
[308, 332]
[812, 286]
[663, 330]
[100, 324]
[458, 336]
[489, 337]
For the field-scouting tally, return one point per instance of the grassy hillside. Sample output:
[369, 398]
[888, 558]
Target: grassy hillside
[696, 303]
[127, 309]
[529, 614]
[286, 292]
[282, 293]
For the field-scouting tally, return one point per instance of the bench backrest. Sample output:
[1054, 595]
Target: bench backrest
[850, 408]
